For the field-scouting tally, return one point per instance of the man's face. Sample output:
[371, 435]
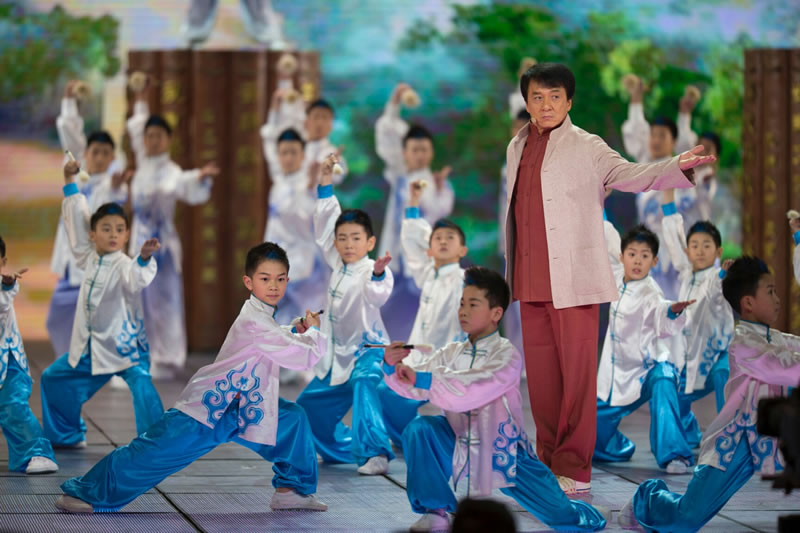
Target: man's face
[98, 157]
[662, 144]
[319, 123]
[548, 106]
[290, 156]
[156, 141]
[638, 259]
[418, 154]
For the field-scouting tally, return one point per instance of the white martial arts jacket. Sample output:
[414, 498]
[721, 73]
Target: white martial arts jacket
[355, 296]
[108, 319]
[437, 318]
[796, 257]
[10, 339]
[639, 324]
[157, 185]
[764, 363]
[98, 189]
[709, 321]
[477, 387]
[247, 367]
[434, 204]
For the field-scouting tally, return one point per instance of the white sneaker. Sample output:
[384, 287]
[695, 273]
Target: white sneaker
[41, 465]
[678, 466]
[282, 501]
[431, 522]
[626, 518]
[376, 466]
[162, 372]
[199, 20]
[571, 486]
[73, 505]
[117, 383]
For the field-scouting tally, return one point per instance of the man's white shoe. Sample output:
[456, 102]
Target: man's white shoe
[282, 501]
[41, 465]
[117, 383]
[431, 522]
[376, 466]
[73, 505]
[626, 518]
[677, 466]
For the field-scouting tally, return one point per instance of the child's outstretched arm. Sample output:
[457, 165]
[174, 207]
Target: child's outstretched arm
[674, 234]
[8, 289]
[636, 129]
[137, 121]
[298, 351]
[326, 212]
[141, 271]
[281, 116]
[438, 201]
[194, 186]
[776, 365]
[69, 124]
[415, 235]
[687, 139]
[378, 288]
[614, 248]
[389, 132]
[75, 212]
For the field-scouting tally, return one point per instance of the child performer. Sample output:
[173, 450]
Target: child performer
[709, 323]
[659, 140]
[28, 450]
[292, 197]
[235, 398]
[157, 185]
[764, 363]
[348, 374]
[432, 258]
[481, 433]
[636, 365]
[794, 225]
[97, 154]
[106, 335]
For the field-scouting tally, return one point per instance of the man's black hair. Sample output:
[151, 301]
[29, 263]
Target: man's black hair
[714, 138]
[479, 515]
[320, 103]
[266, 251]
[667, 123]
[2, 248]
[523, 115]
[492, 283]
[444, 223]
[742, 279]
[705, 226]
[355, 216]
[417, 131]
[158, 121]
[107, 210]
[640, 234]
[102, 137]
[550, 75]
[291, 134]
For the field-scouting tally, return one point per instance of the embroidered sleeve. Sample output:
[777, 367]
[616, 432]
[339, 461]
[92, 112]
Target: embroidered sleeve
[776, 365]
[291, 350]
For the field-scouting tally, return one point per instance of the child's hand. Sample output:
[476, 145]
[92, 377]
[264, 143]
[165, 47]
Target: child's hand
[794, 224]
[395, 352]
[9, 279]
[441, 176]
[69, 88]
[399, 89]
[669, 196]
[415, 190]
[405, 374]
[727, 264]
[149, 247]
[311, 319]
[326, 169]
[209, 170]
[71, 169]
[678, 307]
[118, 179]
[381, 262]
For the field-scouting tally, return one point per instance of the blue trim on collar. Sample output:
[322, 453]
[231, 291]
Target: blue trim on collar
[476, 341]
[324, 191]
[70, 189]
[769, 337]
[413, 212]
[669, 209]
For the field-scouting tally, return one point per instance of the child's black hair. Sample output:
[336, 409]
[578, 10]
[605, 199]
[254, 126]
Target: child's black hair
[355, 216]
[714, 138]
[2, 247]
[291, 135]
[742, 279]
[417, 131]
[492, 283]
[705, 226]
[667, 123]
[266, 251]
[444, 223]
[100, 136]
[107, 210]
[523, 115]
[640, 234]
[550, 75]
[158, 121]
[320, 103]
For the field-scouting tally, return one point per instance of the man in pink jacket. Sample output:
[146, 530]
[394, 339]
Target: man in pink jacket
[557, 265]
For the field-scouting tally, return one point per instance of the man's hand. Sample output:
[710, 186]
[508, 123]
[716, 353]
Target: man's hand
[71, 169]
[678, 307]
[794, 224]
[209, 170]
[9, 279]
[149, 247]
[694, 158]
[118, 179]
[727, 264]
[405, 374]
[381, 262]
[395, 352]
[398, 92]
[415, 190]
[441, 176]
